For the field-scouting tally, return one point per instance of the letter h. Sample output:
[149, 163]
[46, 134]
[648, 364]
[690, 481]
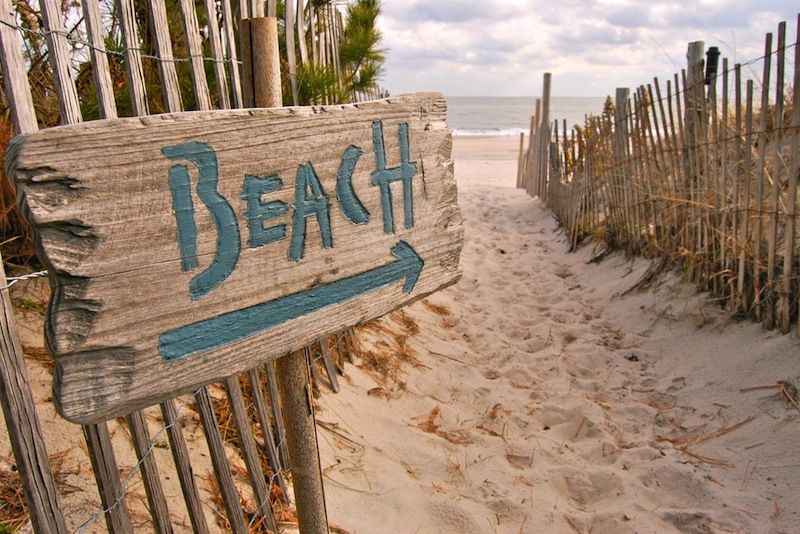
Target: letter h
[383, 177]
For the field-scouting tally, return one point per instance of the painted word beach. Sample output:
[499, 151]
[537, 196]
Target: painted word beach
[306, 221]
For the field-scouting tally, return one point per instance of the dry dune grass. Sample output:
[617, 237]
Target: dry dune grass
[388, 336]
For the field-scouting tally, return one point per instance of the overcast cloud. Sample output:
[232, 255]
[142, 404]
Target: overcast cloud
[502, 47]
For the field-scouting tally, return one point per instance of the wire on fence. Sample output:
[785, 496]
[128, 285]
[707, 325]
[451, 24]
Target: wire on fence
[634, 113]
[68, 36]
[14, 279]
[125, 483]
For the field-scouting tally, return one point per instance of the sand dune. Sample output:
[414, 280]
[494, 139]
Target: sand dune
[539, 398]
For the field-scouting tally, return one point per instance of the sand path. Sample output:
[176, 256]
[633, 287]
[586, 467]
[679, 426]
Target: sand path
[544, 401]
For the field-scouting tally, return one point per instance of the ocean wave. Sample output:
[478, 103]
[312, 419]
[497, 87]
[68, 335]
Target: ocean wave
[488, 132]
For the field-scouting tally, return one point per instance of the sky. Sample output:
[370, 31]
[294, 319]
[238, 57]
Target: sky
[502, 47]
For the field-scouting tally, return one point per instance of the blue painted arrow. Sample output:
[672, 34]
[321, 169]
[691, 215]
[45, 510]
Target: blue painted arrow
[236, 325]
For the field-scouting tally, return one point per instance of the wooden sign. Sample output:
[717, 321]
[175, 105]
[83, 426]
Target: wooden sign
[189, 247]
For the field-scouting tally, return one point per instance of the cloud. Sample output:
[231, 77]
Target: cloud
[449, 11]
[502, 47]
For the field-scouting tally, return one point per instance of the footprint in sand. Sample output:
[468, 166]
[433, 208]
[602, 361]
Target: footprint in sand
[615, 522]
[677, 384]
[586, 487]
[571, 425]
[530, 346]
[602, 453]
[696, 522]
[563, 272]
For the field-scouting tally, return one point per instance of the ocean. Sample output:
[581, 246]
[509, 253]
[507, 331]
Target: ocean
[506, 116]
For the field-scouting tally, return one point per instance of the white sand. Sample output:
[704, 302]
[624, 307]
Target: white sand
[547, 399]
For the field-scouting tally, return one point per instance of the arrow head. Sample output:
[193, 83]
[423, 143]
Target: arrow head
[410, 262]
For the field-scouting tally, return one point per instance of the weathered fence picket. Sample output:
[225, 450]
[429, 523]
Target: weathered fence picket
[698, 178]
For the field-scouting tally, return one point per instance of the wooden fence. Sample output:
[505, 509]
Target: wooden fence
[701, 171]
[255, 412]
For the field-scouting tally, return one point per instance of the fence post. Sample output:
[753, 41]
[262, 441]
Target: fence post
[695, 100]
[521, 159]
[620, 149]
[23, 427]
[760, 178]
[544, 138]
[261, 34]
[777, 181]
[531, 174]
[301, 437]
[791, 208]
[261, 64]
[16, 399]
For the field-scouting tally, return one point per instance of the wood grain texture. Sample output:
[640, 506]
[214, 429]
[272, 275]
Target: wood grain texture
[791, 200]
[170, 87]
[140, 436]
[60, 62]
[106, 474]
[277, 416]
[104, 88]
[191, 31]
[22, 424]
[247, 444]
[247, 63]
[216, 448]
[15, 77]
[99, 196]
[215, 40]
[183, 466]
[133, 56]
[291, 57]
[266, 430]
[233, 61]
[261, 63]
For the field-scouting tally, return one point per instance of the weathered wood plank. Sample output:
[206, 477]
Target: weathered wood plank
[15, 78]
[760, 177]
[277, 415]
[166, 65]
[727, 172]
[230, 497]
[233, 61]
[330, 370]
[60, 61]
[183, 466]
[215, 40]
[106, 474]
[301, 31]
[266, 429]
[140, 436]
[124, 290]
[101, 74]
[248, 446]
[133, 56]
[787, 302]
[191, 31]
[291, 57]
[777, 180]
[22, 425]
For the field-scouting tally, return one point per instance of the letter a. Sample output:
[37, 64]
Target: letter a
[305, 207]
